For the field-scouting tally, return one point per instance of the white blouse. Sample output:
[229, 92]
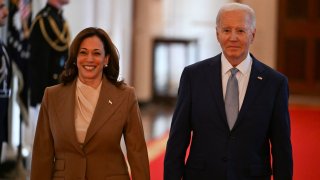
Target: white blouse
[86, 101]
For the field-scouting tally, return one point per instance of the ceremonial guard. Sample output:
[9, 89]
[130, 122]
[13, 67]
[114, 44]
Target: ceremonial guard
[5, 79]
[49, 40]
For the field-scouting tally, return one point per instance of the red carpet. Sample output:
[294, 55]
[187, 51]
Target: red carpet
[305, 132]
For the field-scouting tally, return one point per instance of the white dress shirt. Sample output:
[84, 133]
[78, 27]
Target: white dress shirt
[242, 75]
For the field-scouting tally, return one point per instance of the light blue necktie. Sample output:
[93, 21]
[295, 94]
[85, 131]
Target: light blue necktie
[232, 98]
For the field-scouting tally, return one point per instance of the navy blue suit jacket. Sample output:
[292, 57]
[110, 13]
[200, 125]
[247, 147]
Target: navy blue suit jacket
[261, 131]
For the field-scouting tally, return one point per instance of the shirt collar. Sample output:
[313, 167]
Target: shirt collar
[243, 67]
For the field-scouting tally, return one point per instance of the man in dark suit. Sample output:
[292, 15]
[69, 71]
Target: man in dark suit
[232, 110]
[5, 79]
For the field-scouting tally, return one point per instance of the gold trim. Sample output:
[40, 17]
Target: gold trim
[62, 37]
[52, 43]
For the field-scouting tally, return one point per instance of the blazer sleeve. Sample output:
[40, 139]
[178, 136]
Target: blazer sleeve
[280, 136]
[180, 132]
[135, 142]
[43, 147]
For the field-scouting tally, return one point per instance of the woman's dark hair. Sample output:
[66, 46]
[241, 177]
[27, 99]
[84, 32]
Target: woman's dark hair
[70, 71]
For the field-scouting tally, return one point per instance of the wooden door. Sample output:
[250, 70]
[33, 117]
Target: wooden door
[299, 44]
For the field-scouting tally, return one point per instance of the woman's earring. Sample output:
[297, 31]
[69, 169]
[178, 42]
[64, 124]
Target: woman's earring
[106, 65]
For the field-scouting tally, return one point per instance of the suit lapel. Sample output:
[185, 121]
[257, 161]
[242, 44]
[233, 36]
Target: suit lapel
[213, 73]
[109, 101]
[255, 84]
[65, 111]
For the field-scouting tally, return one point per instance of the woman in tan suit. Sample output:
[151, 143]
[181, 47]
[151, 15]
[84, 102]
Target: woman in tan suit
[82, 120]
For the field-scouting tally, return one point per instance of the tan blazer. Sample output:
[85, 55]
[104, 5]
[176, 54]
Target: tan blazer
[57, 153]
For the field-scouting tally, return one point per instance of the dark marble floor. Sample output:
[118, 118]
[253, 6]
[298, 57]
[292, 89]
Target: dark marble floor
[156, 119]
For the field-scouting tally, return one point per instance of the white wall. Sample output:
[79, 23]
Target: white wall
[167, 18]
[265, 43]
[194, 19]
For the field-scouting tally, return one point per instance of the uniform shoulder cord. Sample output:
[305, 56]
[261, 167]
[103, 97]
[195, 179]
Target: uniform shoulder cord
[62, 36]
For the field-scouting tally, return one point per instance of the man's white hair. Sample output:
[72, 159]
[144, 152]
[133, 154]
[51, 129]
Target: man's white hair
[238, 6]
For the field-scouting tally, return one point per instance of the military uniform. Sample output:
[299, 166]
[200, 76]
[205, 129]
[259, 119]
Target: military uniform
[5, 93]
[18, 48]
[49, 40]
